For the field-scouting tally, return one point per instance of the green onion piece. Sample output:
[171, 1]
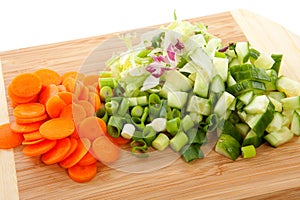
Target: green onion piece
[196, 117]
[106, 92]
[163, 110]
[143, 53]
[137, 111]
[187, 123]
[117, 99]
[155, 105]
[149, 134]
[193, 136]
[161, 142]
[145, 114]
[248, 151]
[123, 108]
[111, 107]
[132, 101]
[156, 89]
[179, 141]
[118, 91]
[176, 113]
[212, 122]
[102, 114]
[169, 113]
[159, 124]
[192, 152]
[173, 126]
[110, 82]
[105, 74]
[139, 146]
[128, 131]
[142, 100]
[114, 126]
[137, 122]
[137, 135]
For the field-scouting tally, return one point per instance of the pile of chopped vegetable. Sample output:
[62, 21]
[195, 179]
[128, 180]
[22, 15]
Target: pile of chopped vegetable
[173, 90]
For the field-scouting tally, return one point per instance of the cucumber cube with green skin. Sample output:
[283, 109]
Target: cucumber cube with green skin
[291, 103]
[228, 147]
[201, 86]
[258, 105]
[242, 128]
[264, 61]
[199, 105]
[223, 104]
[177, 99]
[288, 86]
[276, 123]
[229, 129]
[246, 97]
[280, 137]
[221, 65]
[243, 52]
[252, 139]
[245, 86]
[295, 124]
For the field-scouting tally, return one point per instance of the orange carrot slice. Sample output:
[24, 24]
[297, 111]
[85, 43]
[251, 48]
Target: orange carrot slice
[39, 148]
[92, 128]
[57, 128]
[26, 85]
[54, 106]
[70, 84]
[79, 113]
[105, 150]
[67, 112]
[94, 99]
[87, 159]
[48, 76]
[61, 88]
[32, 136]
[58, 152]
[82, 148]
[88, 107]
[29, 142]
[19, 100]
[82, 174]
[31, 120]
[47, 92]
[25, 128]
[73, 147]
[29, 110]
[84, 95]
[72, 74]
[67, 97]
[8, 138]
[90, 80]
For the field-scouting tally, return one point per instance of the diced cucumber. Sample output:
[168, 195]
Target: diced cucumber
[201, 86]
[264, 61]
[177, 99]
[252, 139]
[223, 104]
[230, 80]
[172, 77]
[199, 105]
[277, 138]
[229, 129]
[276, 95]
[248, 151]
[242, 128]
[242, 115]
[217, 85]
[288, 86]
[291, 103]
[258, 105]
[245, 86]
[249, 72]
[243, 52]
[189, 67]
[277, 58]
[234, 62]
[277, 104]
[221, 65]
[276, 123]
[246, 97]
[233, 104]
[287, 117]
[228, 146]
[254, 54]
[295, 124]
[271, 85]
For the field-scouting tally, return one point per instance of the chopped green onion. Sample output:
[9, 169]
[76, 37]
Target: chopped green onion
[124, 106]
[111, 107]
[114, 126]
[137, 111]
[179, 141]
[106, 92]
[110, 82]
[159, 124]
[161, 142]
[141, 146]
[155, 105]
[137, 122]
[192, 152]
[145, 114]
[142, 100]
[173, 126]
[149, 134]
[187, 123]
[128, 131]
[248, 151]
[105, 74]
[102, 114]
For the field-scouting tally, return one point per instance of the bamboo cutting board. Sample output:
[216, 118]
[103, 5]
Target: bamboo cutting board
[272, 174]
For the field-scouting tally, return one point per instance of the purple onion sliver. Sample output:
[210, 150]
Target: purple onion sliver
[179, 45]
[223, 49]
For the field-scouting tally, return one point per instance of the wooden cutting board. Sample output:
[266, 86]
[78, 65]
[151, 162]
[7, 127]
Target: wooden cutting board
[272, 174]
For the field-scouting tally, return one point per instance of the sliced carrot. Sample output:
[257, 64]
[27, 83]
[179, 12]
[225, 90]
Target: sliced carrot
[73, 147]
[17, 99]
[57, 128]
[39, 148]
[70, 84]
[48, 76]
[58, 152]
[105, 150]
[25, 128]
[72, 74]
[8, 138]
[82, 148]
[29, 110]
[79, 113]
[47, 92]
[32, 136]
[26, 85]
[67, 112]
[88, 107]
[61, 88]
[82, 174]
[15, 103]
[94, 99]
[75, 134]
[84, 95]
[87, 159]
[31, 120]
[67, 97]
[29, 142]
[90, 80]
[54, 106]
[118, 141]
[92, 128]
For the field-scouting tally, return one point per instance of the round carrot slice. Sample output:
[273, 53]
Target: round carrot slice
[29, 110]
[32, 136]
[88, 107]
[67, 112]
[31, 120]
[26, 85]
[58, 152]
[67, 97]
[47, 92]
[48, 76]
[8, 138]
[90, 80]
[73, 147]
[19, 100]
[105, 150]
[39, 148]
[57, 128]
[29, 142]
[92, 128]
[54, 106]
[25, 128]
[82, 174]
[88, 159]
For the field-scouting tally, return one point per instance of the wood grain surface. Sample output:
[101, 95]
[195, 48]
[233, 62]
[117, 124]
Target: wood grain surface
[272, 174]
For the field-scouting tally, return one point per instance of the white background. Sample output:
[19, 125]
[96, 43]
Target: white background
[28, 23]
